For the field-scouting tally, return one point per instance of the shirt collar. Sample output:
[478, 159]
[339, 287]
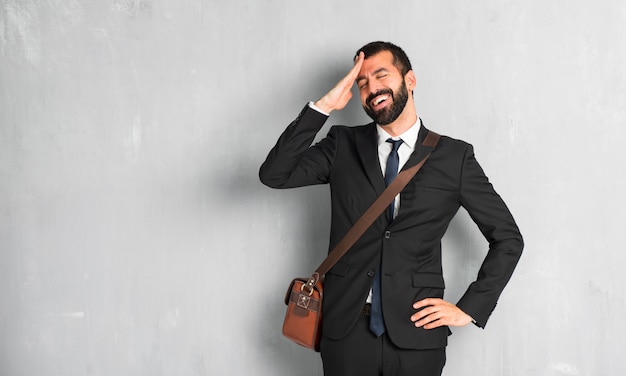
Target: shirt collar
[409, 137]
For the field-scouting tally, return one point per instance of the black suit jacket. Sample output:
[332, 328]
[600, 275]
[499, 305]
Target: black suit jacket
[409, 248]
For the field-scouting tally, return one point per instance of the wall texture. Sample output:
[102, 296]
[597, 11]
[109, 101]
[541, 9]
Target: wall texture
[135, 238]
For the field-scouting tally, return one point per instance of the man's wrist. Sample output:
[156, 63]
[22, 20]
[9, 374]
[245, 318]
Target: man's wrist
[319, 107]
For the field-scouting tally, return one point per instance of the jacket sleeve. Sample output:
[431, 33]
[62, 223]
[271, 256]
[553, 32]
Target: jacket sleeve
[496, 223]
[293, 162]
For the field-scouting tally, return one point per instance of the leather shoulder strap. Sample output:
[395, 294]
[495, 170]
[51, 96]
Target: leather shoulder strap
[370, 215]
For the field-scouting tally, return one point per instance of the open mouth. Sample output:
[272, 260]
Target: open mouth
[380, 100]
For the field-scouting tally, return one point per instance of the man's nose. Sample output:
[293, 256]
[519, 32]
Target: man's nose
[374, 86]
[374, 89]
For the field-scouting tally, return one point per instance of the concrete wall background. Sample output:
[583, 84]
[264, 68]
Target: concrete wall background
[135, 238]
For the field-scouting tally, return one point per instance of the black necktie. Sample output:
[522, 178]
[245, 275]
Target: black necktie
[392, 171]
[377, 323]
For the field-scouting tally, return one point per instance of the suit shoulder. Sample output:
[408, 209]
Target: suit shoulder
[445, 141]
[352, 132]
[454, 143]
[353, 128]
[453, 149]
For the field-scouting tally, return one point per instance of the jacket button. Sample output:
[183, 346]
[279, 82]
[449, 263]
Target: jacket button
[387, 234]
[370, 273]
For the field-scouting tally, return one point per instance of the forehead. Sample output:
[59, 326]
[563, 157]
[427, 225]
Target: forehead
[375, 63]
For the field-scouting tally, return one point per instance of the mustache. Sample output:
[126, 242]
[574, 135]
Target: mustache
[379, 92]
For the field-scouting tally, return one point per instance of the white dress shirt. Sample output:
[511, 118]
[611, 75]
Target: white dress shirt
[409, 138]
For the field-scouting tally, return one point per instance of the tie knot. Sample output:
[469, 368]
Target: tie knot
[395, 144]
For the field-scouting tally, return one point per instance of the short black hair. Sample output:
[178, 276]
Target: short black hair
[400, 59]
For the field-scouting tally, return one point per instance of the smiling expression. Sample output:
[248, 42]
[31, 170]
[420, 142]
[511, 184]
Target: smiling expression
[383, 90]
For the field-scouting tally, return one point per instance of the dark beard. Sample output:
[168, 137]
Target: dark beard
[388, 114]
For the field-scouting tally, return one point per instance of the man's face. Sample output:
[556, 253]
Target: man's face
[383, 90]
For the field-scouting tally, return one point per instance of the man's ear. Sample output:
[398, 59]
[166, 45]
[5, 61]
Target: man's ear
[410, 80]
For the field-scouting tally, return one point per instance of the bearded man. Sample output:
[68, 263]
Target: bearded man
[384, 312]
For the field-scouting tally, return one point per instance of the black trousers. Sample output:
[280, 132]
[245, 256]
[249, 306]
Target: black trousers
[362, 354]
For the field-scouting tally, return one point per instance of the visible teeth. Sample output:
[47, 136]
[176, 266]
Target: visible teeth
[380, 99]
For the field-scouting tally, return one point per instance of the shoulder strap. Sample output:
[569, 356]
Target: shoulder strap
[370, 215]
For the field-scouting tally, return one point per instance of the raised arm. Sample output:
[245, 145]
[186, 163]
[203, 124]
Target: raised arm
[339, 96]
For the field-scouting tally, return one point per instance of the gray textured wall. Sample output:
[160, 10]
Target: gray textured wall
[135, 238]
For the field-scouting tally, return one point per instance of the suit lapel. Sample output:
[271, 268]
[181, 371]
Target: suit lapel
[420, 151]
[367, 146]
